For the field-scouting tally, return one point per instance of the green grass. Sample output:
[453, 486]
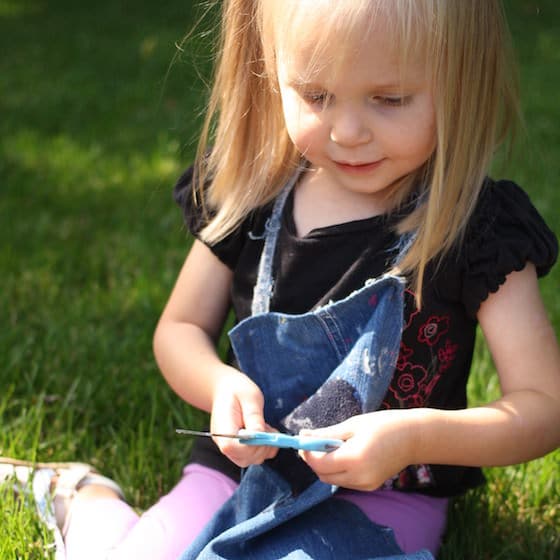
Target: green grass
[95, 127]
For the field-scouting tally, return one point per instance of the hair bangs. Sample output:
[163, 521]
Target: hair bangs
[330, 32]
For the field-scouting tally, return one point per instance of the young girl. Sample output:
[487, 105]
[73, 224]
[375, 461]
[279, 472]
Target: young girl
[341, 206]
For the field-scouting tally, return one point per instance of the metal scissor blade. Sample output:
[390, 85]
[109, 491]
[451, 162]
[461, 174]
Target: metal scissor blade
[208, 434]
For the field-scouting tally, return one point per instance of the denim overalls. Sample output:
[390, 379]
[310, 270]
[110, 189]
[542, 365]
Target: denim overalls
[314, 369]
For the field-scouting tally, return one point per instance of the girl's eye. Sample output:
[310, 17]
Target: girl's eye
[396, 101]
[316, 98]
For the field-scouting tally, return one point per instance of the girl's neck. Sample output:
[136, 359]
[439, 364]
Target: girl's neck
[318, 203]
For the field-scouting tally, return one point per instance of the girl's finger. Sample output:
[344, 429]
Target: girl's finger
[345, 480]
[253, 419]
[323, 463]
[341, 431]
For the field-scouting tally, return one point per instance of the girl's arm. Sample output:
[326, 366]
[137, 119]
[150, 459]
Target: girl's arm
[522, 425]
[185, 350]
[525, 422]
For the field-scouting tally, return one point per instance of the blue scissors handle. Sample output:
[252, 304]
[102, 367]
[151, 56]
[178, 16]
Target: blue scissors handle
[276, 439]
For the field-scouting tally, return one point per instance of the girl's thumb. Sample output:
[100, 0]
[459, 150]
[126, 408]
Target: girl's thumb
[336, 431]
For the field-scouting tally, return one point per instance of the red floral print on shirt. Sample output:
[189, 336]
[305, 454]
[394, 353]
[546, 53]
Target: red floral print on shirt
[446, 355]
[420, 366]
[433, 329]
[408, 386]
[404, 356]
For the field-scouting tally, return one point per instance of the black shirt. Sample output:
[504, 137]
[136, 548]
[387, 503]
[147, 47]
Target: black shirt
[437, 344]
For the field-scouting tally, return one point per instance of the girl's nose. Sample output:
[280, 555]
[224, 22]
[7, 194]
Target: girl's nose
[349, 128]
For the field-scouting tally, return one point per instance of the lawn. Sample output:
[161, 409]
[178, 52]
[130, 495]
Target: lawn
[99, 111]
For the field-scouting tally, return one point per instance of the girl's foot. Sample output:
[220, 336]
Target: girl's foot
[54, 486]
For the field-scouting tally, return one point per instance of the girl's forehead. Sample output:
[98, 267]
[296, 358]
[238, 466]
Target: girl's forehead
[325, 33]
[318, 37]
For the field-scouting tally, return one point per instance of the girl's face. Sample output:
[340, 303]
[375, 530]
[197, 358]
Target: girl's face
[364, 122]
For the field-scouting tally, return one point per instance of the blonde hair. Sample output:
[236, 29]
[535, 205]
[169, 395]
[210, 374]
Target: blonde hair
[467, 49]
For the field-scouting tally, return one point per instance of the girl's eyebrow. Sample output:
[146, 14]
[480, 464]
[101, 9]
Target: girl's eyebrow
[391, 84]
[386, 87]
[301, 83]
[392, 87]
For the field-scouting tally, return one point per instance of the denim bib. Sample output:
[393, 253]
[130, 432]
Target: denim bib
[314, 369]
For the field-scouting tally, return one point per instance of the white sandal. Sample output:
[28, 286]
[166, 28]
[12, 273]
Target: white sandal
[53, 499]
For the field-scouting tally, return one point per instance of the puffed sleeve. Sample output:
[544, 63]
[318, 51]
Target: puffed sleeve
[505, 232]
[228, 248]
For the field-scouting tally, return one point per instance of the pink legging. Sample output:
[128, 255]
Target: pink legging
[109, 529]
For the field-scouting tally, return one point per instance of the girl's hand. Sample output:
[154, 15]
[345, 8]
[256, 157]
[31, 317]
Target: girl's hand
[238, 403]
[376, 446]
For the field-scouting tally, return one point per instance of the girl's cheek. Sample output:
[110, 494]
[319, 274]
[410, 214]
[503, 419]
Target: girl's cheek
[309, 132]
[301, 137]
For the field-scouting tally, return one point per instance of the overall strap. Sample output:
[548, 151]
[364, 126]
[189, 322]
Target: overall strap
[264, 286]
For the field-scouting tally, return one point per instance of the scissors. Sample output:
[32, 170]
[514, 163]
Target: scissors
[274, 439]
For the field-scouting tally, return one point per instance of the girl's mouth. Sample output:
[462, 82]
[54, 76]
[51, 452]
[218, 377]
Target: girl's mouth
[358, 168]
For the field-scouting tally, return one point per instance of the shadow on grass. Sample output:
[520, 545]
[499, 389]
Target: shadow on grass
[99, 73]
